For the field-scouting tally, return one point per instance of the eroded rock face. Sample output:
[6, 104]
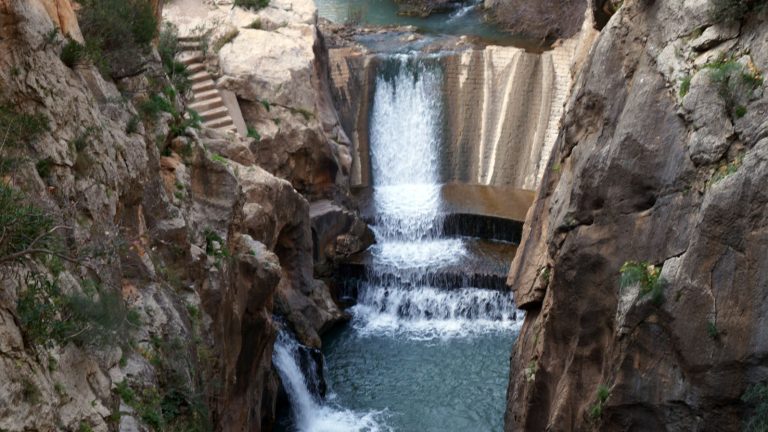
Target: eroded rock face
[643, 171]
[200, 243]
[275, 62]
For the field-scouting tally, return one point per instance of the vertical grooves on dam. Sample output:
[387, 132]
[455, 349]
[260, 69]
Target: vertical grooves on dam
[503, 107]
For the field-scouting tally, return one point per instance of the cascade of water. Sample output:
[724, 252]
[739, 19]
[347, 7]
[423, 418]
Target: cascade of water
[405, 135]
[310, 414]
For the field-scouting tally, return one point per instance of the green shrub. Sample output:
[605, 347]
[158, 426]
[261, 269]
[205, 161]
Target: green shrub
[726, 169]
[757, 397]
[253, 133]
[48, 316]
[43, 167]
[712, 330]
[132, 126]
[252, 4]
[26, 229]
[73, 53]
[735, 84]
[225, 39]
[30, 392]
[173, 405]
[596, 410]
[168, 48]
[685, 86]
[214, 244]
[165, 102]
[116, 30]
[17, 128]
[648, 276]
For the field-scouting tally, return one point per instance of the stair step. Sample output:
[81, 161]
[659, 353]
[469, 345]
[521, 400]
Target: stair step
[203, 86]
[193, 68]
[190, 57]
[207, 105]
[205, 95]
[200, 76]
[214, 114]
[189, 46]
[223, 122]
[226, 130]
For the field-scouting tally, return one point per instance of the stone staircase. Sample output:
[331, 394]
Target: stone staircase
[206, 98]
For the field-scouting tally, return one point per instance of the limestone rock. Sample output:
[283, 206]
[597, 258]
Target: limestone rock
[714, 35]
[63, 16]
[635, 183]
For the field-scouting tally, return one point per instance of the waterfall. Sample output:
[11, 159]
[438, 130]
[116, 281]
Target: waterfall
[406, 136]
[309, 412]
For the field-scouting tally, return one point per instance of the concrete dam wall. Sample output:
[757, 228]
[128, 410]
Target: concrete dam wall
[501, 110]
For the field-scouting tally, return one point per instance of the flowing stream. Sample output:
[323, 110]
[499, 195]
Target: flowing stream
[415, 357]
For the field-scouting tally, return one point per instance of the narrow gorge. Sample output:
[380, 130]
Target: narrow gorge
[383, 215]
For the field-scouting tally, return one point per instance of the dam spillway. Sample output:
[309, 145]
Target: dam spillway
[503, 106]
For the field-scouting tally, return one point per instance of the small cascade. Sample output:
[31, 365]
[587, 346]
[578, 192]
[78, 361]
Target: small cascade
[464, 10]
[310, 411]
[413, 258]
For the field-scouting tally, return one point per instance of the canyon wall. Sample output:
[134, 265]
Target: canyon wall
[147, 300]
[642, 264]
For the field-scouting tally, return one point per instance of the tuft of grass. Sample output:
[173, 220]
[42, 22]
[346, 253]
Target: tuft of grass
[132, 126]
[735, 84]
[255, 24]
[43, 167]
[219, 159]
[226, 38]
[73, 53]
[648, 276]
[712, 330]
[596, 410]
[30, 392]
[685, 86]
[756, 397]
[726, 169]
[253, 133]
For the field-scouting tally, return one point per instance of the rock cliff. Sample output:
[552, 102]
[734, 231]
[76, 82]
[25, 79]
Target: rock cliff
[642, 262]
[142, 259]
